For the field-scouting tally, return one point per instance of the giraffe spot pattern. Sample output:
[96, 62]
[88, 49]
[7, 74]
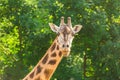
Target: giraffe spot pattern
[52, 62]
[57, 47]
[60, 53]
[39, 68]
[54, 54]
[32, 75]
[47, 73]
[45, 59]
[53, 47]
[38, 78]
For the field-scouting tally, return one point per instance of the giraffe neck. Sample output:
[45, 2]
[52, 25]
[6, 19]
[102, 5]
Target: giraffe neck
[47, 65]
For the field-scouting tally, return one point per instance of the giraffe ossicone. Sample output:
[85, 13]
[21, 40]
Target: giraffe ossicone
[60, 48]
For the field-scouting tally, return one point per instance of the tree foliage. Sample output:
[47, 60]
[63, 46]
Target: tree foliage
[25, 36]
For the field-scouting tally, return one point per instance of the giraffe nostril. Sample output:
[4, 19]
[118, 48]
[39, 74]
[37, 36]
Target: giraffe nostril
[67, 45]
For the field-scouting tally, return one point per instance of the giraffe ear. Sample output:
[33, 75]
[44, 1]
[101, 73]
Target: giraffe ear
[53, 27]
[77, 28]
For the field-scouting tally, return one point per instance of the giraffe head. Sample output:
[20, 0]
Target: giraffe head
[65, 34]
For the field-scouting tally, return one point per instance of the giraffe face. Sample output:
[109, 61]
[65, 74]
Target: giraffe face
[65, 38]
[65, 35]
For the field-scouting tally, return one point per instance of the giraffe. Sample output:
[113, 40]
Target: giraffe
[60, 48]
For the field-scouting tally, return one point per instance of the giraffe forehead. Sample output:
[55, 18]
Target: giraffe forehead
[65, 30]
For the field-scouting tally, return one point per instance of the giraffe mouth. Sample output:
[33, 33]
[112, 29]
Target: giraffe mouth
[66, 52]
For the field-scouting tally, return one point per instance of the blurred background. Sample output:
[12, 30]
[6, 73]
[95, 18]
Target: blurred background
[25, 36]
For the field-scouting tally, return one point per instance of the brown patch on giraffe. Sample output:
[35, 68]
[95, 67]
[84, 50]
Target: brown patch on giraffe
[60, 53]
[53, 47]
[38, 78]
[65, 31]
[52, 62]
[54, 54]
[47, 73]
[39, 69]
[45, 59]
[32, 75]
[57, 47]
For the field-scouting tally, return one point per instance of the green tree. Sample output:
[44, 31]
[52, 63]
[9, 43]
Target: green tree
[97, 43]
[22, 25]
